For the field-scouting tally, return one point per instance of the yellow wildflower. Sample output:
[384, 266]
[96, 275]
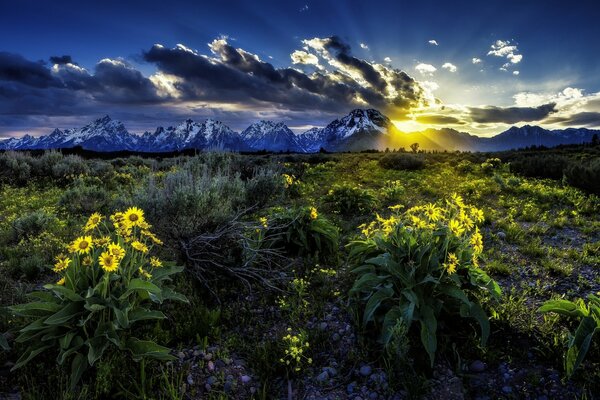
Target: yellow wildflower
[433, 212]
[465, 220]
[155, 262]
[477, 214]
[144, 273]
[82, 245]
[264, 222]
[456, 227]
[108, 262]
[87, 261]
[288, 180]
[62, 263]
[93, 222]
[477, 241]
[139, 246]
[458, 200]
[103, 241]
[116, 250]
[451, 264]
[134, 217]
[152, 237]
[313, 213]
[61, 281]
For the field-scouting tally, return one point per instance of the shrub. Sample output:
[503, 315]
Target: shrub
[540, 166]
[421, 267]
[401, 161]
[589, 323]
[108, 283]
[490, 165]
[15, 168]
[31, 225]
[83, 199]
[69, 168]
[392, 190]
[585, 176]
[303, 232]
[347, 199]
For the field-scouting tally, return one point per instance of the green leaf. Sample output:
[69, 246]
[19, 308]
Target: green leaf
[475, 311]
[35, 309]
[146, 348]
[28, 355]
[160, 274]
[68, 312]
[580, 344]
[4, 343]
[142, 314]
[563, 307]
[389, 321]
[78, 367]
[170, 294]
[75, 345]
[375, 301]
[428, 331]
[96, 347]
[140, 285]
[64, 291]
[454, 292]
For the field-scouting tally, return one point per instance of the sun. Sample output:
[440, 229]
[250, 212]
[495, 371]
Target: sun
[410, 125]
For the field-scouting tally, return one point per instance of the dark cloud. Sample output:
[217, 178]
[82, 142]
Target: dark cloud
[511, 115]
[15, 68]
[239, 76]
[118, 82]
[585, 118]
[61, 60]
[439, 120]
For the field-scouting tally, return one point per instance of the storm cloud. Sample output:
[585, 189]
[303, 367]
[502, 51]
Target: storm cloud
[511, 115]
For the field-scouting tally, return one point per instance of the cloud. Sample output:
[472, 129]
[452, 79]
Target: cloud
[15, 68]
[450, 67]
[61, 60]
[476, 60]
[516, 72]
[302, 57]
[237, 76]
[504, 49]
[387, 60]
[304, 8]
[425, 69]
[584, 118]
[364, 46]
[511, 115]
[433, 42]
[434, 119]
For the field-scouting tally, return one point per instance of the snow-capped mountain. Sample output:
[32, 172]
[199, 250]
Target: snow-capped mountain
[268, 135]
[359, 130]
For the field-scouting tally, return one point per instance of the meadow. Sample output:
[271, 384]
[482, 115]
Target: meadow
[375, 275]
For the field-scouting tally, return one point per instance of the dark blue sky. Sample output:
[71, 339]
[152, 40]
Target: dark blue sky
[545, 53]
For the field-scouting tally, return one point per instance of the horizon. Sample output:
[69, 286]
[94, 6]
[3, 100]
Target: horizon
[296, 132]
[475, 68]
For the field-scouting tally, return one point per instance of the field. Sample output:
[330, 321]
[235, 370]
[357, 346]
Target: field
[323, 276]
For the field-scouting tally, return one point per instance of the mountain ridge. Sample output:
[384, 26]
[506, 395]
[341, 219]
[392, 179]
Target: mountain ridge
[361, 129]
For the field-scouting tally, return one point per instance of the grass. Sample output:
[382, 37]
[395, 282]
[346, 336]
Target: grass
[536, 231]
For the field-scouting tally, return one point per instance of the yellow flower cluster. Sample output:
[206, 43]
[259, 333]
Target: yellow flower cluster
[288, 180]
[313, 213]
[132, 235]
[295, 346]
[264, 222]
[451, 263]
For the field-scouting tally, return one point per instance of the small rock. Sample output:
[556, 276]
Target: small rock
[365, 370]
[323, 376]
[219, 363]
[331, 371]
[350, 388]
[245, 379]
[211, 366]
[227, 387]
[211, 380]
[323, 326]
[190, 380]
[477, 366]
[207, 387]
[335, 337]
[207, 357]
[501, 235]
[507, 389]
[197, 353]
[181, 355]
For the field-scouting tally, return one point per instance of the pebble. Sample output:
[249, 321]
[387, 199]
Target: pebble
[245, 379]
[323, 376]
[227, 387]
[350, 388]
[323, 326]
[335, 337]
[501, 235]
[507, 389]
[365, 370]
[211, 366]
[190, 380]
[477, 366]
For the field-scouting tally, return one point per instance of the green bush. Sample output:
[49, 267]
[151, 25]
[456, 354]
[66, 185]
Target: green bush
[421, 267]
[303, 232]
[540, 166]
[108, 284]
[589, 323]
[84, 199]
[347, 199]
[584, 176]
[31, 225]
[399, 161]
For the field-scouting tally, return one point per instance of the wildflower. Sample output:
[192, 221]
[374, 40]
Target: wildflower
[475, 261]
[477, 214]
[458, 200]
[87, 261]
[313, 213]
[144, 273]
[93, 222]
[116, 250]
[451, 264]
[152, 237]
[82, 245]
[432, 212]
[139, 246]
[62, 263]
[134, 217]
[155, 262]
[288, 180]
[264, 222]
[418, 222]
[103, 241]
[456, 227]
[61, 281]
[396, 207]
[477, 241]
[465, 220]
[108, 262]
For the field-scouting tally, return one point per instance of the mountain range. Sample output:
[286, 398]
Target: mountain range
[359, 130]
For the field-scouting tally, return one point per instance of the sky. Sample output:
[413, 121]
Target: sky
[474, 66]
